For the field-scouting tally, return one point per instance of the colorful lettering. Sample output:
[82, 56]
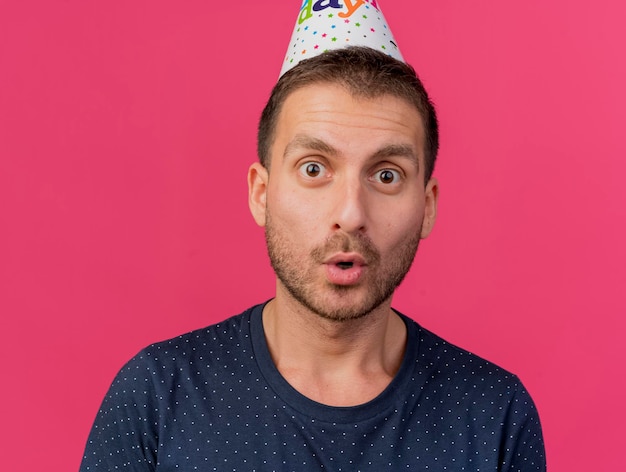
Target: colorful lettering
[352, 7]
[324, 4]
[305, 11]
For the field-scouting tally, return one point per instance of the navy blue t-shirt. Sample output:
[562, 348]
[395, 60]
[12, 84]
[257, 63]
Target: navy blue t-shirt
[212, 400]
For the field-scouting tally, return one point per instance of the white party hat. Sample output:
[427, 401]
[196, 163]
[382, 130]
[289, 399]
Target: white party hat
[333, 24]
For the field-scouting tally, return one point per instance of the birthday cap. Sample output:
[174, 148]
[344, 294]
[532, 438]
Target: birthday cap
[333, 24]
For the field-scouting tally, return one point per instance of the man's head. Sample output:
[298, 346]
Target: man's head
[364, 73]
[348, 193]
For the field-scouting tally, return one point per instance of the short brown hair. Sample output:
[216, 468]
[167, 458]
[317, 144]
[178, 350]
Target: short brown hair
[366, 73]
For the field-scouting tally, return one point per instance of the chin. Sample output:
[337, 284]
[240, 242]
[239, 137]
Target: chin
[342, 305]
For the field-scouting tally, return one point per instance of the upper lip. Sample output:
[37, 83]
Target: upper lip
[353, 257]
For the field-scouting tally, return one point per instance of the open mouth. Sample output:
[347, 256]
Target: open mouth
[345, 265]
[345, 268]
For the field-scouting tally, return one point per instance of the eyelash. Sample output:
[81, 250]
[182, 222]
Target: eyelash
[305, 167]
[396, 175]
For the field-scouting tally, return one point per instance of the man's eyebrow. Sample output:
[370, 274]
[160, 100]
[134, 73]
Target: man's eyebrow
[302, 141]
[397, 150]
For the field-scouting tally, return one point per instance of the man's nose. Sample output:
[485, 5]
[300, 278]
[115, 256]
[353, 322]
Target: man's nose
[350, 207]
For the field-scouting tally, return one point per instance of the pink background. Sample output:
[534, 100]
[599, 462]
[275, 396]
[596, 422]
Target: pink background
[126, 129]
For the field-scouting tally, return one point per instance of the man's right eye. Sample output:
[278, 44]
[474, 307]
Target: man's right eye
[312, 169]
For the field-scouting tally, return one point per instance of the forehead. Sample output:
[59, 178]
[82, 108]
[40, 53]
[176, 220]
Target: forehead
[332, 113]
[356, 93]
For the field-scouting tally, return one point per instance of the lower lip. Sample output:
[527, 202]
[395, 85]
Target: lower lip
[338, 276]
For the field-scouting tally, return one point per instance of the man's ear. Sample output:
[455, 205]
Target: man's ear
[430, 207]
[257, 192]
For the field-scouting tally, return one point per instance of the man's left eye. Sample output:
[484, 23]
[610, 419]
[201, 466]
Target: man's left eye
[387, 176]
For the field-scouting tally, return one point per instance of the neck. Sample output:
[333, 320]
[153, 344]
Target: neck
[338, 363]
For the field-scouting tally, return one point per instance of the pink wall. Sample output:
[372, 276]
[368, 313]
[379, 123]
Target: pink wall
[126, 129]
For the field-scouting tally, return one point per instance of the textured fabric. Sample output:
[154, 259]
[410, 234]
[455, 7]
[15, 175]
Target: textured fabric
[213, 400]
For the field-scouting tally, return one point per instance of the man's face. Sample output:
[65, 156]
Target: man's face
[344, 204]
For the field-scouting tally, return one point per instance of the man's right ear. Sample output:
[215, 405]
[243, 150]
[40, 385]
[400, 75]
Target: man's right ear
[257, 192]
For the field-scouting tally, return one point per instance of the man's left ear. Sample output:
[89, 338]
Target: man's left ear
[430, 207]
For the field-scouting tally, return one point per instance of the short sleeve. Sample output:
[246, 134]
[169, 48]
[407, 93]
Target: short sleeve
[523, 449]
[124, 435]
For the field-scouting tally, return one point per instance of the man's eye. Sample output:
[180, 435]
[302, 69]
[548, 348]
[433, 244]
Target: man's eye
[387, 176]
[312, 169]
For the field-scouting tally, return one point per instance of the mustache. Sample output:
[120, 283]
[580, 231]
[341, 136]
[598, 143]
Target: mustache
[342, 242]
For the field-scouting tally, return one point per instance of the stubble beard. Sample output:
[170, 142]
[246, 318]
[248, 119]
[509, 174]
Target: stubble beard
[297, 274]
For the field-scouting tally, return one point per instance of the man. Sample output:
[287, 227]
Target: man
[326, 375]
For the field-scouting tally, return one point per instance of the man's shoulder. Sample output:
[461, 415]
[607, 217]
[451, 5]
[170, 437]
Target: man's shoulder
[442, 359]
[209, 341]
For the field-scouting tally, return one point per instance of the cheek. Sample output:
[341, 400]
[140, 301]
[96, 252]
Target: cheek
[294, 221]
[400, 225]
[295, 208]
